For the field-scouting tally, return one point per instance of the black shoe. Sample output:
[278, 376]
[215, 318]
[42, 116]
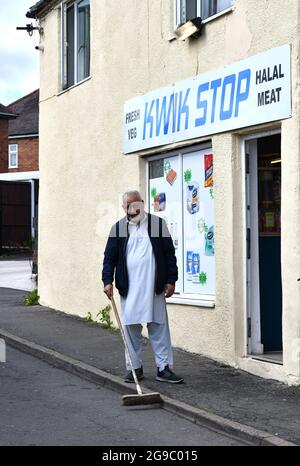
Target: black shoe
[168, 376]
[139, 373]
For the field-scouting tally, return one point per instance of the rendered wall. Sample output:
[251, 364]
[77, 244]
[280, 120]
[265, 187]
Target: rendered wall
[83, 171]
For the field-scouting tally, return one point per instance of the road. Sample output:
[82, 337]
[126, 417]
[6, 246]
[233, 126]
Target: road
[43, 405]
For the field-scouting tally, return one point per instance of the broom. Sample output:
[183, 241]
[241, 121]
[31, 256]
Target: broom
[140, 398]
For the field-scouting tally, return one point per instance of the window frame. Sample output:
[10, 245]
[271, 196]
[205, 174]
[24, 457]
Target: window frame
[188, 299]
[64, 50]
[180, 5]
[13, 152]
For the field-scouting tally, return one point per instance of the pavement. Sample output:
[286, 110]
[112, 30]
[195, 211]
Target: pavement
[15, 272]
[78, 412]
[263, 411]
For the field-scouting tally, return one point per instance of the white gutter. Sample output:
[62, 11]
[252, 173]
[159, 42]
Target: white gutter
[24, 136]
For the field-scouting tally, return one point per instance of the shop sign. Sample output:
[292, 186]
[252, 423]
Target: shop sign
[249, 92]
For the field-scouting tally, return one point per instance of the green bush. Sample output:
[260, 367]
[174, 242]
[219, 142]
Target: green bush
[89, 318]
[32, 298]
[105, 319]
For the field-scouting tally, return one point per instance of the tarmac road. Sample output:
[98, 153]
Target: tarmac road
[43, 405]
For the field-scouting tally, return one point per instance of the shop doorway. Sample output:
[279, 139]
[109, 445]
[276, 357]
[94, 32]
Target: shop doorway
[263, 207]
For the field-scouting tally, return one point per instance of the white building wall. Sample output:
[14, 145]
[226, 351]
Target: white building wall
[83, 171]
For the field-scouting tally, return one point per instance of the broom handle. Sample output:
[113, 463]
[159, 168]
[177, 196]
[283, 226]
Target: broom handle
[126, 345]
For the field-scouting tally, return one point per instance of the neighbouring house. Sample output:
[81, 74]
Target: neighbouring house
[6, 115]
[19, 172]
[196, 104]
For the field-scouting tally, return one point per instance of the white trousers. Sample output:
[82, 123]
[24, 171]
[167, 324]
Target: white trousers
[160, 340]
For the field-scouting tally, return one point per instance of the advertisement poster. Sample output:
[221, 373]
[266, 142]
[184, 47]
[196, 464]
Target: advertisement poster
[198, 221]
[165, 201]
[181, 191]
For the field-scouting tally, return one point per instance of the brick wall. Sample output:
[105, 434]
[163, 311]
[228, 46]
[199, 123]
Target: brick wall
[28, 154]
[3, 145]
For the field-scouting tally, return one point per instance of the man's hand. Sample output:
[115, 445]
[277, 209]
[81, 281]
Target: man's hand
[169, 290]
[108, 290]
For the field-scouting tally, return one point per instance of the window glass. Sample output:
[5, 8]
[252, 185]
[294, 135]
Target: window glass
[212, 7]
[191, 9]
[156, 169]
[198, 221]
[13, 160]
[83, 44]
[70, 46]
[164, 201]
[181, 192]
[76, 42]
[12, 155]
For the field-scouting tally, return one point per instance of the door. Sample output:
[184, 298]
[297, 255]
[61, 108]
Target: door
[15, 213]
[264, 289]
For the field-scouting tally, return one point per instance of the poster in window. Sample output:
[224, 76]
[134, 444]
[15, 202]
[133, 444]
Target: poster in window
[164, 201]
[198, 224]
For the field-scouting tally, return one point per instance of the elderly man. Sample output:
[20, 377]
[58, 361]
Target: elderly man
[141, 254]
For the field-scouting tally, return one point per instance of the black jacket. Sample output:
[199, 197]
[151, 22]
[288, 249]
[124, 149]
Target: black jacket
[115, 255]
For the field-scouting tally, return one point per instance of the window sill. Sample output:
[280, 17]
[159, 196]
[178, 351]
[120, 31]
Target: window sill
[192, 301]
[74, 85]
[208, 20]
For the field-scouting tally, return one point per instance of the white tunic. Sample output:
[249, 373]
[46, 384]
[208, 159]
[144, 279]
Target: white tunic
[142, 304]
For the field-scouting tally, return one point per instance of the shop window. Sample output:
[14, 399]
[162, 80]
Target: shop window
[181, 191]
[189, 9]
[13, 156]
[75, 42]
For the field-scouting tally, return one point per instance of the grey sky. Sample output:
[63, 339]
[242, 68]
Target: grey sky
[19, 61]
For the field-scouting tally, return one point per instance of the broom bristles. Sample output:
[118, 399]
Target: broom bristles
[145, 399]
